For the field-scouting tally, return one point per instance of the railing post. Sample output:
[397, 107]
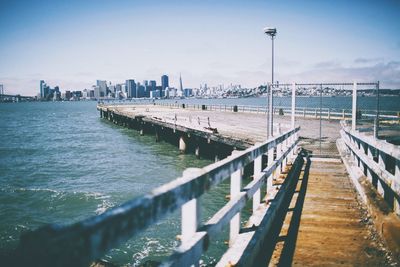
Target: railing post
[236, 184]
[371, 157]
[293, 103]
[256, 175]
[354, 107]
[270, 162]
[296, 137]
[382, 165]
[278, 155]
[376, 124]
[190, 212]
[396, 206]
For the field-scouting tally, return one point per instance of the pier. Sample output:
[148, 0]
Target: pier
[311, 203]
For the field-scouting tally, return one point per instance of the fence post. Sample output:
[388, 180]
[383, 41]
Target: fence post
[376, 128]
[278, 155]
[190, 212]
[396, 206]
[256, 175]
[382, 165]
[236, 184]
[354, 107]
[293, 103]
[270, 162]
[370, 156]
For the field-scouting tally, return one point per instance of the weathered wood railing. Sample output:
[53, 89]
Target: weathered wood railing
[379, 161]
[85, 241]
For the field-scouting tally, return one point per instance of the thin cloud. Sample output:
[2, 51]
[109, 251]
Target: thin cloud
[368, 60]
[327, 65]
[387, 73]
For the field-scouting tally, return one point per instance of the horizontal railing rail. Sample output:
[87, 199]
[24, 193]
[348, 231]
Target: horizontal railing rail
[80, 243]
[379, 161]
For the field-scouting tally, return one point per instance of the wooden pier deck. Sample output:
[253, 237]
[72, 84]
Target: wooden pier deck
[326, 225]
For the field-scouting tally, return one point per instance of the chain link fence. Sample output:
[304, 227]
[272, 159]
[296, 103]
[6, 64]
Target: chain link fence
[378, 113]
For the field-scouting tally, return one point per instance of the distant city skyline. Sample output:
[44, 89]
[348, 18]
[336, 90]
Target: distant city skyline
[71, 44]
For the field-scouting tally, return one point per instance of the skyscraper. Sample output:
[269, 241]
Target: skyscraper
[164, 82]
[102, 87]
[140, 90]
[131, 88]
[153, 85]
[180, 83]
[42, 88]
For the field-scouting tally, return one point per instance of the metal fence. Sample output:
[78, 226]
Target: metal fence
[362, 104]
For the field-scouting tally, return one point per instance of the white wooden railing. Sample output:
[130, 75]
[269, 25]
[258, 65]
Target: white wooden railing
[85, 241]
[379, 161]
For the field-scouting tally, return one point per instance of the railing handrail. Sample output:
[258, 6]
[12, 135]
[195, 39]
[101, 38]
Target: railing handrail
[89, 239]
[381, 145]
[347, 111]
[371, 156]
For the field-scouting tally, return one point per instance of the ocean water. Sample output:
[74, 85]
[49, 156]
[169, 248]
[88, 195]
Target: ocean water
[60, 163]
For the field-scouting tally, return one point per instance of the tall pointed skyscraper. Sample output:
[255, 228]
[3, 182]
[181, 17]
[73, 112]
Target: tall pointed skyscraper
[180, 83]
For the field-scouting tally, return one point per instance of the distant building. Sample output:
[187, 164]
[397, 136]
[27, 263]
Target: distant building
[140, 90]
[131, 88]
[180, 83]
[102, 85]
[166, 92]
[44, 90]
[155, 94]
[153, 85]
[42, 85]
[111, 88]
[68, 95]
[172, 92]
[159, 88]
[188, 92]
[85, 94]
[96, 90]
[164, 82]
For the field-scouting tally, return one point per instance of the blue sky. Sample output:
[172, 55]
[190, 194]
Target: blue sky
[73, 43]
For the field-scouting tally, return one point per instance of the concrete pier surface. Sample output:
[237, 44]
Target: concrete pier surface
[248, 127]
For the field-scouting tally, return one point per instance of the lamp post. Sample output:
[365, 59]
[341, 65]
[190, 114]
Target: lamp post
[270, 115]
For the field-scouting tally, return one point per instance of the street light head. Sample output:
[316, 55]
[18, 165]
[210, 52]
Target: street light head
[270, 31]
